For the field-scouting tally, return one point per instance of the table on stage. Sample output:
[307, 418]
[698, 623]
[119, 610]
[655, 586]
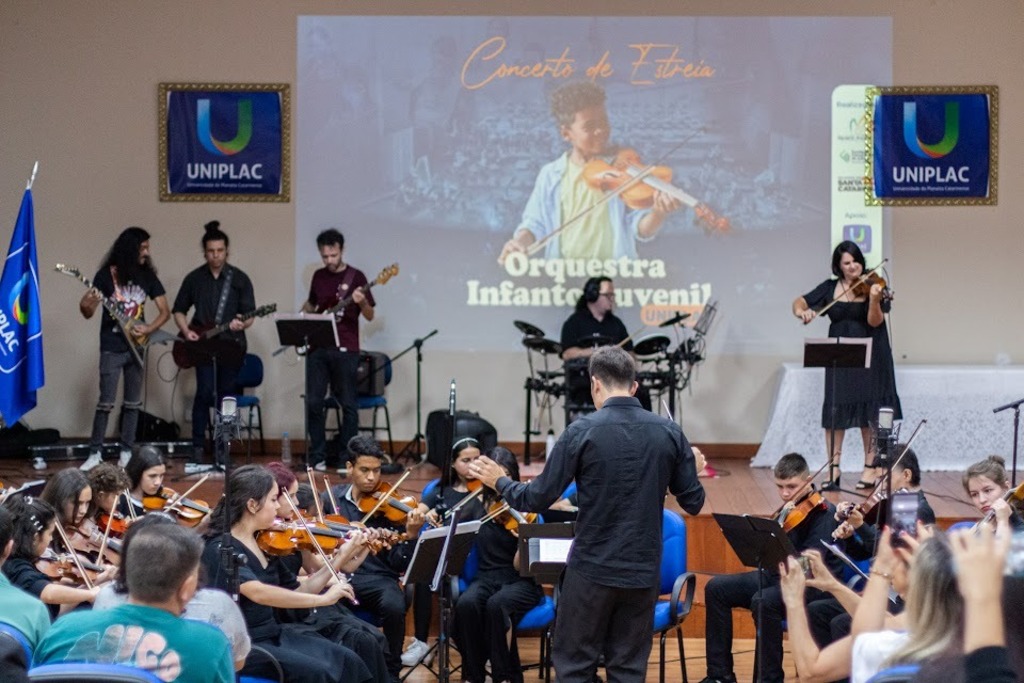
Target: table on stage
[957, 401]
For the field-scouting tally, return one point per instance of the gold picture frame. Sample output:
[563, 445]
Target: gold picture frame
[872, 96]
[183, 147]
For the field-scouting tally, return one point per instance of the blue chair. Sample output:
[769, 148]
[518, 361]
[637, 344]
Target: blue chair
[250, 376]
[69, 672]
[372, 402]
[966, 524]
[903, 673]
[569, 490]
[15, 649]
[676, 582]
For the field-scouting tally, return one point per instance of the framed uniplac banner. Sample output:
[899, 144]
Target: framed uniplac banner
[932, 145]
[224, 142]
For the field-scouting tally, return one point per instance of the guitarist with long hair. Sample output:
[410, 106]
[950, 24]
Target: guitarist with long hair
[219, 293]
[128, 277]
[342, 289]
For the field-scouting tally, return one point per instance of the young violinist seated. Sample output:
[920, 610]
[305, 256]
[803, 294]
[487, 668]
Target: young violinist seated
[988, 485]
[208, 605]
[723, 593]
[162, 573]
[376, 581]
[35, 568]
[71, 496]
[145, 471]
[18, 608]
[497, 598]
[109, 483]
[266, 585]
[335, 622]
[463, 492]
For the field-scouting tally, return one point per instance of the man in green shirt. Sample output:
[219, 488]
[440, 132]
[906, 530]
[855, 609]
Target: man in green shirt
[17, 608]
[161, 570]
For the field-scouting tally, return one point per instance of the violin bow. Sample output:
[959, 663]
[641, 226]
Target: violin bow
[106, 532]
[330, 495]
[316, 496]
[131, 508]
[862, 278]
[502, 509]
[635, 179]
[176, 499]
[74, 555]
[384, 499]
[800, 491]
[316, 543]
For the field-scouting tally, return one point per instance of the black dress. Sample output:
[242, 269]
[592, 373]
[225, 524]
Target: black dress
[859, 392]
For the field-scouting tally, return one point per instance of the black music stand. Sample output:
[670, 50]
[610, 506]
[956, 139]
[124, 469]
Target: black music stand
[833, 353]
[536, 541]
[309, 330]
[759, 543]
[438, 557]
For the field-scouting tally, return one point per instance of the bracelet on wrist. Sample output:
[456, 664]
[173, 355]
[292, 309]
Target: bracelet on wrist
[884, 575]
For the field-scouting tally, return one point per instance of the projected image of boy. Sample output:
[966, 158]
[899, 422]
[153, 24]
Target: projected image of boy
[561, 192]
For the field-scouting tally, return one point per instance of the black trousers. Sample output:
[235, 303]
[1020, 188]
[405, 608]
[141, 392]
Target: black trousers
[337, 623]
[825, 627]
[336, 369]
[307, 657]
[595, 620]
[383, 597]
[226, 379]
[491, 606]
[721, 595]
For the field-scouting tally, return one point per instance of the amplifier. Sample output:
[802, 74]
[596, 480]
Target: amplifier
[373, 373]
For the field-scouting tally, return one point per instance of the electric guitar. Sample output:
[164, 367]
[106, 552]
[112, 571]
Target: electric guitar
[188, 354]
[383, 276]
[137, 344]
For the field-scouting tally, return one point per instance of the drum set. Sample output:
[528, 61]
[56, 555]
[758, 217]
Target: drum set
[663, 372]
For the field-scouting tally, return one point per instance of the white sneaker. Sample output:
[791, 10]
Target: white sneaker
[126, 455]
[197, 468]
[417, 652]
[322, 467]
[95, 458]
[39, 463]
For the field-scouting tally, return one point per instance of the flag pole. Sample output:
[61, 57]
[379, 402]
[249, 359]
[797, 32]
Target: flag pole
[32, 179]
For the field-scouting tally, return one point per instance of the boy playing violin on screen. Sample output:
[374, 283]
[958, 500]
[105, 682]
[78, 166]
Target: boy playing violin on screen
[376, 580]
[743, 590]
[605, 229]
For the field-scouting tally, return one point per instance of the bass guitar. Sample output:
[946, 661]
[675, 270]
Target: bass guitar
[137, 344]
[188, 354]
[383, 276]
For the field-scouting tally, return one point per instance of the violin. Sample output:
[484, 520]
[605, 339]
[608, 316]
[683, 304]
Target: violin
[626, 176]
[189, 512]
[863, 287]
[118, 524]
[502, 513]
[385, 501]
[88, 539]
[802, 509]
[58, 566]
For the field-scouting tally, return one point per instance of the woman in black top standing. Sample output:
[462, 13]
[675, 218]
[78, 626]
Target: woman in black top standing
[859, 392]
[496, 599]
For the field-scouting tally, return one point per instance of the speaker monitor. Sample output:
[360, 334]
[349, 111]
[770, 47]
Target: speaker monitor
[466, 424]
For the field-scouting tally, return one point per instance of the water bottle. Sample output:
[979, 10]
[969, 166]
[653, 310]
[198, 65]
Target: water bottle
[286, 450]
[549, 444]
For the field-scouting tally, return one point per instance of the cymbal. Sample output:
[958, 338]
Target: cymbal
[654, 345]
[543, 345]
[595, 340]
[528, 329]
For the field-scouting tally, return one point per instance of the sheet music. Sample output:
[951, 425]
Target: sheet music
[554, 549]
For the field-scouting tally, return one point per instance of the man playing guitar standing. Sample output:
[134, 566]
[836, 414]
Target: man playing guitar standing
[126, 276]
[335, 283]
[219, 292]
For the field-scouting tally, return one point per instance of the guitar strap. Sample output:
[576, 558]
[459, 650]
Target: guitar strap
[225, 290]
[345, 288]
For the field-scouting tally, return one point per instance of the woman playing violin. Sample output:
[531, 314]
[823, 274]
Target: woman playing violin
[376, 581]
[266, 585]
[335, 622]
[988, 485]
[145, 472]
[71, 495]
[34, 523]
[497, 599]
[858, 311]
[464, 451]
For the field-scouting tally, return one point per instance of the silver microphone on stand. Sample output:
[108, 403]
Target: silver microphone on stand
[883, 435]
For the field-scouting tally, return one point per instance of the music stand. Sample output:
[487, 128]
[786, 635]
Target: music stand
[759, 543]
[310, 330]
[544, 550]
[833, 353]
[438, 556]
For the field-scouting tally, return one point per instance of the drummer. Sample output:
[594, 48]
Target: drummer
[592, 325]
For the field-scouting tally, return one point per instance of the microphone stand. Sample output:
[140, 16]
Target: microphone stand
[226, 428]
[1016, 429]
[417, 441]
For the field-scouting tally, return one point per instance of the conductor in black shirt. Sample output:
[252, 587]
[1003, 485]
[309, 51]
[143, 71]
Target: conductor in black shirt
[611, 580]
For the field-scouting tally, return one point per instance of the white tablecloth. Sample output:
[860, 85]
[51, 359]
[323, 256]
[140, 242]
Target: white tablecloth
[956, 400]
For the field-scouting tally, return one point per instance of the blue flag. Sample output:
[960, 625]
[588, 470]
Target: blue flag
[21, 328]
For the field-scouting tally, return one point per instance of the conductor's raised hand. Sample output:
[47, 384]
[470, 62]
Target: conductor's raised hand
[486, 470]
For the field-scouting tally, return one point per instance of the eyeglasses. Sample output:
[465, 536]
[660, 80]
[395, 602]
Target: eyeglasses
[610, 295]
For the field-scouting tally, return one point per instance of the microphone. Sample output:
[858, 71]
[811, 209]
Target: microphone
[451, 400]
[677, 318]
[883, 433]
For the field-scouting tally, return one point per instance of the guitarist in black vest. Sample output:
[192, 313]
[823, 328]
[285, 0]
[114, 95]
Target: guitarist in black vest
[128, 277]
[335, 283]
[219, 293]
